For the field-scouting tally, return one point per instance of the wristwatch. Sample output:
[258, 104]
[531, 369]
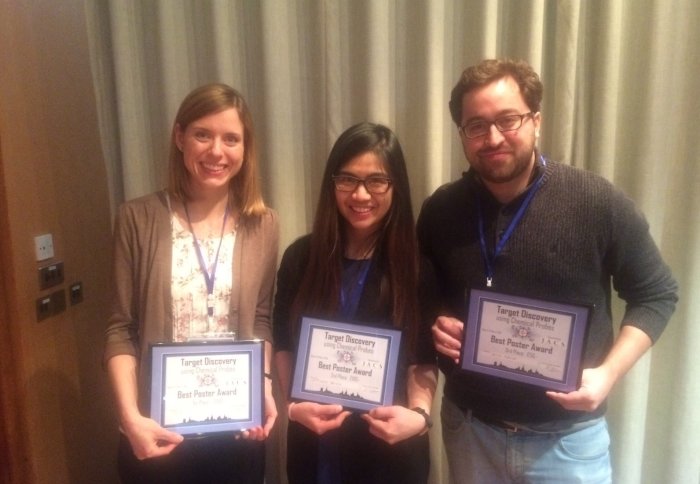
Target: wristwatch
[424, 414]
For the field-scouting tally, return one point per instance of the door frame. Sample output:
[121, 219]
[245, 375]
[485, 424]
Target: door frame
[14, 448]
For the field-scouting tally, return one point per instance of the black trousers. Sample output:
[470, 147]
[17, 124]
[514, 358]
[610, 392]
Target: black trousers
[214, 459]
[361, 457]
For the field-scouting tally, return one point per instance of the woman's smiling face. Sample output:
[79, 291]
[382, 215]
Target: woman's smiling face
[363, 212]
[213, 149]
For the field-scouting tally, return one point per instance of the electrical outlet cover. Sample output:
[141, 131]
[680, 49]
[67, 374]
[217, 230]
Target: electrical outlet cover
[43, 245]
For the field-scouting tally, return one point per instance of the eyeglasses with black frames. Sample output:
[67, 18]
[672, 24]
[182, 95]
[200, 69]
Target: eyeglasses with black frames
[375, 185]
[481, 127]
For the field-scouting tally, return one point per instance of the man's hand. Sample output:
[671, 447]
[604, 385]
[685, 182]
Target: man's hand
[316, 417]
[596, 383]
[394, 424]
[447, 336]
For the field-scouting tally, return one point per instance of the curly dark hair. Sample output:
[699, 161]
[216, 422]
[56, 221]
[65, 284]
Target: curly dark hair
[490, 70]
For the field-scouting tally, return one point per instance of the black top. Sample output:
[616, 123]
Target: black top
[362, 457]
[371, 310]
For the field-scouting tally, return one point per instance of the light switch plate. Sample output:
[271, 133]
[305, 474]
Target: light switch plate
[50, 275]
[51, 305]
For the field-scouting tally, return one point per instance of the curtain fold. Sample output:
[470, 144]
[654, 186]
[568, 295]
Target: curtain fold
[622, 97]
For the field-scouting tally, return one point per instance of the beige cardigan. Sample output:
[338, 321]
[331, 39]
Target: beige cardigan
[141, 308]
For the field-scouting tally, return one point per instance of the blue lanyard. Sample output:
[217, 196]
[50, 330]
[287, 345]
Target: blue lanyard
[351, 290]
[490, 259]
[208, 278]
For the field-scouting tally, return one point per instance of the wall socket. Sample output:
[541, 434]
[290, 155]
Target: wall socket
[43, 246]
[50, 305]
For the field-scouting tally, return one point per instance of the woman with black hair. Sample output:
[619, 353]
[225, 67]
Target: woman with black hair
[360, 264]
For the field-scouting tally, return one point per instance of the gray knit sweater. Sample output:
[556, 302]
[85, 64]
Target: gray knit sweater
[579, 239]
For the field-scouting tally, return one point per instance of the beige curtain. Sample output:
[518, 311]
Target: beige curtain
[622, 98]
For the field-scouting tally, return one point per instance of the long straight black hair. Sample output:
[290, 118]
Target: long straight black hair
[395, 249]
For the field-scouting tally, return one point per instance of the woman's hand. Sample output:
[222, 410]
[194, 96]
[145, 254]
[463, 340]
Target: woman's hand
[148, 439]
[261, 433]
[394, 424]
[316, 417]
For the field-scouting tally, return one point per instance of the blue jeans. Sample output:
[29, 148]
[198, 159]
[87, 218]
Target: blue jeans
[481, 453]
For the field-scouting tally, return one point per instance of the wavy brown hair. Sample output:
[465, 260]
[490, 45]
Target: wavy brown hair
[244, 188]
[395, 249]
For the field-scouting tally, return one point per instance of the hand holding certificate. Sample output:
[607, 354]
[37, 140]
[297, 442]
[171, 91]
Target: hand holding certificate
[351, 365]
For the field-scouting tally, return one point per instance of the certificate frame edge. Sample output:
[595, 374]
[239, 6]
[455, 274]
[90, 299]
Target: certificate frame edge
[256, 388]
[579, 332]
[296, 388]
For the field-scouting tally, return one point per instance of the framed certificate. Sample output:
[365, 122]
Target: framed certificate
[207, 387]
[526, 340]
[347, 364]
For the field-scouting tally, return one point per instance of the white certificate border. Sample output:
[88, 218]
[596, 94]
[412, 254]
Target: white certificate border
[577, 337]
[297, 391]
[162, 351]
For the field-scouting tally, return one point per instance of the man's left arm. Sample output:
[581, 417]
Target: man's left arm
[645, 283]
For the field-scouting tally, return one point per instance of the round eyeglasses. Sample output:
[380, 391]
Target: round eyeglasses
[375, 185]
[481, 127]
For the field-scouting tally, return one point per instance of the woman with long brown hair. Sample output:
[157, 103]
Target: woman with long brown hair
[195, 261]
[360, 264]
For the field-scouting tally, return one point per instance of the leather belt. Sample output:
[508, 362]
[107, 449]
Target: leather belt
[508, 426]
[544, 428]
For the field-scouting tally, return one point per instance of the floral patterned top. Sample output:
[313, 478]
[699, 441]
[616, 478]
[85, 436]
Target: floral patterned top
[189, 288]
